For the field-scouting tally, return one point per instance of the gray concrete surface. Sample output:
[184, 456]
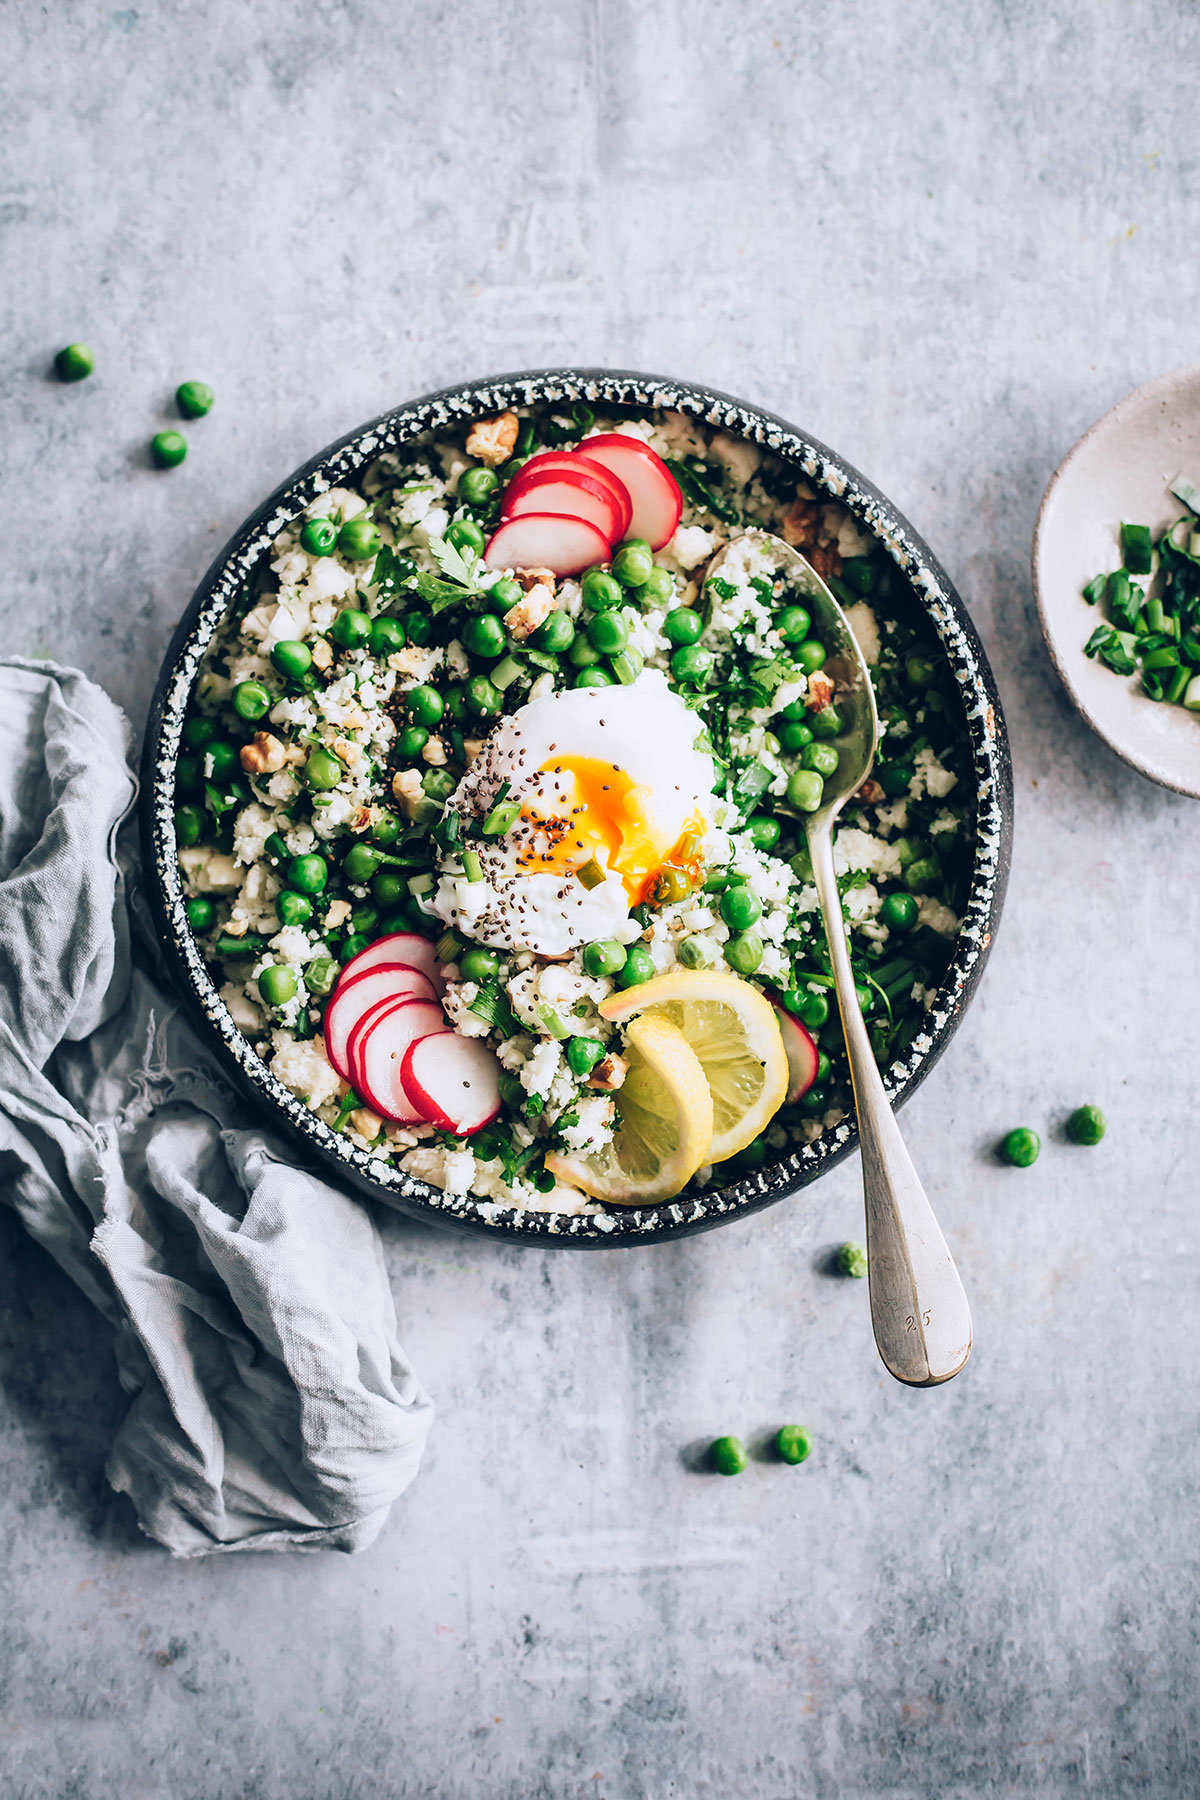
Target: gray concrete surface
[944, 239]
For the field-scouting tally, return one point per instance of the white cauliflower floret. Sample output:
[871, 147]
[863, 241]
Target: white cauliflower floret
[930, 777]
[691, 545]
[327, 580]
[210, 871]
[596, 1115]
[863, 623]
[855, 849]
[254, 826]
[538, 1074]
[735, 455]
[305, 1068]
[931, 912]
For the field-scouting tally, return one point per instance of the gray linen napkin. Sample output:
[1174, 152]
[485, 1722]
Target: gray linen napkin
[272, 1406]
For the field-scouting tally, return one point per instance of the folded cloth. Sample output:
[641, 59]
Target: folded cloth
[272, 1405]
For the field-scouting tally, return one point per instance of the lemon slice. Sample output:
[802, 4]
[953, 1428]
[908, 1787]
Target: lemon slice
[666, 1115]
[733, 1030]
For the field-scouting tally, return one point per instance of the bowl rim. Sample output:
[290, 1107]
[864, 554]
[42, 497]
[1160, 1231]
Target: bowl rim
[1159, 388]
[339, 462]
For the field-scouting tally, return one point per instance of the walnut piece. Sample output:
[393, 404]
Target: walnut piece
[368, 1124]
[346, 751]
[492, 440]
[870, 792]
[264, 755]
[363, 819]
[407, 789]
[609, 1073]
[825, 560]
[799, 527]
[236, 926]
[525, 617]
[820, 691]
[322, 654]
[339, 912]
[434, 753]
[531, 578]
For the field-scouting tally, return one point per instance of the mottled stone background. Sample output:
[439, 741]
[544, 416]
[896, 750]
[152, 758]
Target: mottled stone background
[944, 239]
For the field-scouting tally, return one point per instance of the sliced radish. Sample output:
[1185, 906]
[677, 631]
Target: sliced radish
[546, 541]
[566, 491]
[801, 1053]
[654, 491]
[351, 999]
[454, 1080]
[380, 1049]
[396, 947]
[572, 462]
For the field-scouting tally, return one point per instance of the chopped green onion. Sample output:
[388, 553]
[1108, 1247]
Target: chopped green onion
[1188, 492]
[501, 817]
[505, 673]
[240, 946]
[626, 667]
[449, 947]
[420, 884]
[472, 866]
[1191, 700]
[591, 875]
[1094, 590]
[1137, 548]
[553, 1024]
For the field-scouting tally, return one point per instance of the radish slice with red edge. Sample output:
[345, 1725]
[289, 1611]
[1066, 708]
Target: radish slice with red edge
[454, 1080]
[397, 947]
[351, 999]
[570, 462]
[654, 491]
[801, 1053]
[547, 541]
[565, 491]
[380, 1050]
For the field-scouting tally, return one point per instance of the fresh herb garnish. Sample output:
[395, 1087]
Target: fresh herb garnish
[696, 482]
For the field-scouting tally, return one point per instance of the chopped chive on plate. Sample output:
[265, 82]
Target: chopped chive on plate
[1122, 471]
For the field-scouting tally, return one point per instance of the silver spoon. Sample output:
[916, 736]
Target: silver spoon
[919, 1311]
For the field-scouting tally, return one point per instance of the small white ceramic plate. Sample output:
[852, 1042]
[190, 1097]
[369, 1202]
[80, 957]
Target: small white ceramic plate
[1119, 470]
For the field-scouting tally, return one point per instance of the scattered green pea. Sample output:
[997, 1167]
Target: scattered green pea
[476, 486]
[638, 966]
[351, 630]
[608, 633]
[851, 1260]
[555, 634]
[794, 736]
[198, 731]
[633, 563]
[792, 624]
[657, 589]
[899, 912]
[740, 907]
[74, 363]
[478, 964]
[292, 658]
[1086, 1125]
[793, 1443]
[744, 953]
[322, 770]
[194, 399]
[484, 635]
[692, 663]
[696, 952]
[465, 534]
[810, 655]
[822, 759]
[387, 636]
[168, 449]
[308, 874]
[683, 626]
[827, 723]
[251, 701]
[292, 907]
[600, 590]
[412, 741]
[593, 678]
[805, 790]
[483, 697]
[426, 705]
[727, 1455]
[320, 975]
[1021, 1147]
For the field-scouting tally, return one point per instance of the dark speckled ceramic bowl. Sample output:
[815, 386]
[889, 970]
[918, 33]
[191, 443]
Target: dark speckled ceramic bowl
[340, 464]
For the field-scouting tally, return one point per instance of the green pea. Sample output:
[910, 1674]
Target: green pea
[200, 913]
[483, 697]
[456, 703]
[683, 626]
[220, 761]
[795, 711]
[657, 590]
[555, 634]
[365, 920]
[387, 636]
[352, 946]
[188, 773]
[479, 965]
[251, 701]
[745, 953]
[476, 486]
[438, 784]
[603, 958]
[318, 536]
[895, 779]
[582, 1056]
[504, 594]
[293, 907]
[898, 912]
[693, 663]
[727, 1455]
[322, 769]
[608, 633]
[360, 863]
[411, 742]
[805, 790]
[600, 591]
[633, 563]
[484, 635]
[417, 628]
[389, 887]
[792, 624]
[860, 573]
[822, 759]
[358, 539]
[813, 1009]
[1086, 1125]
[794, 736]
[696, 952]
[673, 885]
[638, 967]
[168, 448]
[919, 671]
[594, 678]
[1021, 1147]
[763, 831]
[351, 629]
[198, 731]
[277, 984]
[793, 1444]
[320, 975]
[814, 1103]
[308, 874]
[823, 1067]
[74, 363]
[922, 875]
[751, 1157]
[291, 658]
[827, 723]
[194, 399]
[810, 655]
[426, 705]
[583, 654]
[465, 534]
[851, 1259]
[740, 907]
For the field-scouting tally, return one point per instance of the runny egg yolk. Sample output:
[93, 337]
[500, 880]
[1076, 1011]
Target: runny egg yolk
[610, 819]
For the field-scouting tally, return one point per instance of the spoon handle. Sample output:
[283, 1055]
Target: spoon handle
[919, 1311]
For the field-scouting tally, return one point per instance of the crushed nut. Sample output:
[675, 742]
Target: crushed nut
[339, 912]
[411, 661]
[353, 718]
[609, 1073]
[492, 440]
[368, 1124]
[825, 560]
[820, 691]
[322, 654]
[531, 578]
[346, 751]
[434, 753]
[407, 789]
[870, 792]
[363, 819]
[473, 747]
[525, 617]
[235, 926]
[799, 527]
[295, 754]
[264, 755]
